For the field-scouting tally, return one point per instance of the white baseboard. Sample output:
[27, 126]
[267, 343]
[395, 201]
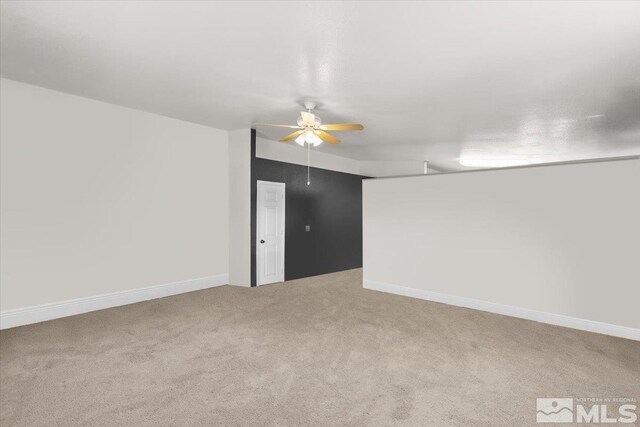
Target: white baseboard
[507, 310]
[44, 312]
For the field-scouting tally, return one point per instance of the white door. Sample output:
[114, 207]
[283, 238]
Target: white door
[270, 232]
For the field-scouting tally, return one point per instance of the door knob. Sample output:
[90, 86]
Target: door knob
[261, 241]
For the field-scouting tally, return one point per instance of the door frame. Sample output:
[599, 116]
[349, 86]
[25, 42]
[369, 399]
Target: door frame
[284, 227]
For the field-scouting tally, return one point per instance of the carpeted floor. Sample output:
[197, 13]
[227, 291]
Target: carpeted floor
[318, 351]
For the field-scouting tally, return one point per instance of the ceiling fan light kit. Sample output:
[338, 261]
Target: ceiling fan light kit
[308, 137]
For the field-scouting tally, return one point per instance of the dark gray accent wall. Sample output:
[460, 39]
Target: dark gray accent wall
[331, 206]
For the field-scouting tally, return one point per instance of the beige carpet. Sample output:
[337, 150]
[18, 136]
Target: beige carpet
[319, 351]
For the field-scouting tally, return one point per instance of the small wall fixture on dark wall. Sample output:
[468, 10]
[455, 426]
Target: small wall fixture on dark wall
[332, 208]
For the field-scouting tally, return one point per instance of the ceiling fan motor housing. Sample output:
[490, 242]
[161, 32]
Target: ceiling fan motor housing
[317, 122]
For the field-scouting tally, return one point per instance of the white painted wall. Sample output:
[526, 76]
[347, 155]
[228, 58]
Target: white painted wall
[240, 207]
[98, 198]
[293, 153]
[381, 169]
[557, 239]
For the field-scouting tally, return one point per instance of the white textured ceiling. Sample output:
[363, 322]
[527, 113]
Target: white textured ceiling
[482, 82]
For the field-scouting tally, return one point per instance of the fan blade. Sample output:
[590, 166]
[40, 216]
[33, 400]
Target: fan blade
[278, 126]
[327, 137]
[292, 135]
[342, 126]
[308, 118]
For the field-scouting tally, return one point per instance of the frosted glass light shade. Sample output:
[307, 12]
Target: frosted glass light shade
[310, 138]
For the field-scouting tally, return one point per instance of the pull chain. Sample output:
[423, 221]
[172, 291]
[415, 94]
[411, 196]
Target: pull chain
[308, 163]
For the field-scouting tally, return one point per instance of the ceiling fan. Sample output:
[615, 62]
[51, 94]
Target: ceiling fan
[311, 130]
